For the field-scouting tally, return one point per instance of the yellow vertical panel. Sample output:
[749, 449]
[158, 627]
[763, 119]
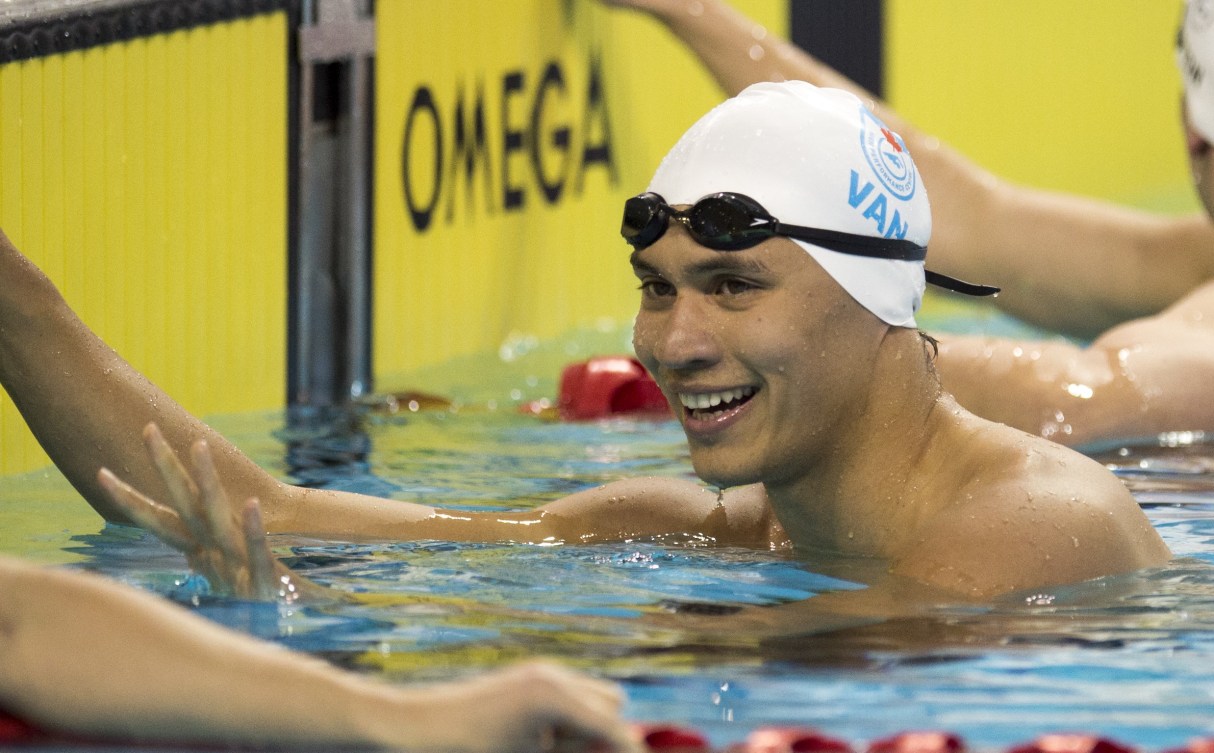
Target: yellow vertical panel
[134, 98]
[75, 241]
[265, 217]
[52, 165]
[145, 190]
[153, 299]
[94, 206]
[1070, 95]
[114, 159]
[10, 147]
[237, 59]
[14, 448]
[220, 242]
[198, 236]
[33, 180]
[180, 139]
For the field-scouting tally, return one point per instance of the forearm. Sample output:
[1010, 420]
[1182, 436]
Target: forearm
[629, 508]
[84, 403]
[1080, 265]
[141, 668]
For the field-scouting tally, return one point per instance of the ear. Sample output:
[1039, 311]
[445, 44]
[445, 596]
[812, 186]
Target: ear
[1195, 142]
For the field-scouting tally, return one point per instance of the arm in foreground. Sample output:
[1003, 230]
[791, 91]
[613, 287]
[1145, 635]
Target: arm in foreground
[185, 679]
[1065, 262]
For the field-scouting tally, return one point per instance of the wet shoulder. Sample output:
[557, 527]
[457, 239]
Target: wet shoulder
[1028, 513]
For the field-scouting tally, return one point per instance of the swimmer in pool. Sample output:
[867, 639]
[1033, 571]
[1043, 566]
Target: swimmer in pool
[85, 656]
[789, 351]
[1069, 264]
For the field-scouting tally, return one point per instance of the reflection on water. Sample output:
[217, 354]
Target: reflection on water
[1131, 657]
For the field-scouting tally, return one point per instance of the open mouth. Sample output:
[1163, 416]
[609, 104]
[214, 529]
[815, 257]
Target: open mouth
[706, 406]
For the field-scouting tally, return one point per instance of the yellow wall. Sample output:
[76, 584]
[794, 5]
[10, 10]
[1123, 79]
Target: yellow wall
[148, 179]
[1065, 94]
[464, 285]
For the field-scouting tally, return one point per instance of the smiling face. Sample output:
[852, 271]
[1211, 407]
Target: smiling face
[765, 358]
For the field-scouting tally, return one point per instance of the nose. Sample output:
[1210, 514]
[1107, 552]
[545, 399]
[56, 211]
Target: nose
[679, 338]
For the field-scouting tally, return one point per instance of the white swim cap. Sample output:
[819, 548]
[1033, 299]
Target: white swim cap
[1195, 56]
[815, 157]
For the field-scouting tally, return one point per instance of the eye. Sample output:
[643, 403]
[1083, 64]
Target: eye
[734, 286]
[656, 287]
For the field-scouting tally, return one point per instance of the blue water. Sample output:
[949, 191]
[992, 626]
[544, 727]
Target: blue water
[1130, 657]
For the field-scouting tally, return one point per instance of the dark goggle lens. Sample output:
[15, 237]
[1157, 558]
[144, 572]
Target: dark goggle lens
[727, 224]
[643, 220]
[724, 222]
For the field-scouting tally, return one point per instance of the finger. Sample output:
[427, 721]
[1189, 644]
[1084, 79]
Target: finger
[263, 575]
[183, 492]
[216, 510]
[146, 512]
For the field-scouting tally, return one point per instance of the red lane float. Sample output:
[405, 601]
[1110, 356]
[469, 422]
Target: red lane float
[609, 386]
[658, 738]
[670, 738]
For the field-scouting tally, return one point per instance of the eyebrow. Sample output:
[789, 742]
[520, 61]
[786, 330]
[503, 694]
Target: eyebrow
[734, 262]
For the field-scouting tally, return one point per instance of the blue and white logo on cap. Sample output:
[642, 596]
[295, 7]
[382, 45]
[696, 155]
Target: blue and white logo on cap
[887, 155]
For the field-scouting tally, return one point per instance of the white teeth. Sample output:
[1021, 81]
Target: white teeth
[706, 400]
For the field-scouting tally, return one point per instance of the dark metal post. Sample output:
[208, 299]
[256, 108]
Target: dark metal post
[329, 351]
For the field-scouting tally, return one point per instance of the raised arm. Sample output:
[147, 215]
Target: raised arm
[187, 680]
[85, 404]
[1070, 264]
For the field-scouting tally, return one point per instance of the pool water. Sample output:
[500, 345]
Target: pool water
[1129, 657]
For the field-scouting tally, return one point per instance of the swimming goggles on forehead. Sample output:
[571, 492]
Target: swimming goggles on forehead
[732, 221]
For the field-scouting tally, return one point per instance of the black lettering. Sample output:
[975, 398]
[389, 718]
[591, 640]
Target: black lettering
[469, 150]
[423, 101]
[596, 152]
[512, 141]
[552, 78]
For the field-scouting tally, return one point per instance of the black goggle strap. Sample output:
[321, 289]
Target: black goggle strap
[882, 248]
[959, 286]
[856, 245]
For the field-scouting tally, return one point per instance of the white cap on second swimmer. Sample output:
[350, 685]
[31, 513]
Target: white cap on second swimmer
[1195, 56]
[816, 157]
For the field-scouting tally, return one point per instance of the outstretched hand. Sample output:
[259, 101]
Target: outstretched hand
[222, 540]
[528, 707]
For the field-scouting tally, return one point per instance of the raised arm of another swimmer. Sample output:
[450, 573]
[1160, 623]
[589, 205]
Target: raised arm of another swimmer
[1064, 262]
